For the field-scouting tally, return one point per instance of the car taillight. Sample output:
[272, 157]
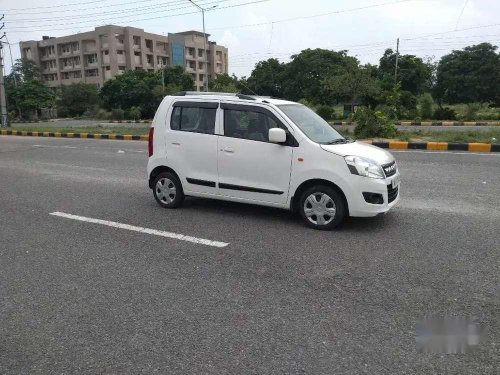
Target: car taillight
[150, 141]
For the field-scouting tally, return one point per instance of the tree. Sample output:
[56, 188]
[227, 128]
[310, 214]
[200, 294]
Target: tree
[26, 94]
[469, 75]
[29, 97]
[75, 99]
[224, 83]
[141, 88]
[304, 74]
[267, 78]
[413, 73]
[353, 83]
[175, 78]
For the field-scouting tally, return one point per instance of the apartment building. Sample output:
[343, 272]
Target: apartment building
[96, 56]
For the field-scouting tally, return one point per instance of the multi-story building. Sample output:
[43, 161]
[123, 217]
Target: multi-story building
[96, 56]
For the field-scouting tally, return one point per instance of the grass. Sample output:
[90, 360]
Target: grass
[471, 136]
[133, 130]
[489, 136]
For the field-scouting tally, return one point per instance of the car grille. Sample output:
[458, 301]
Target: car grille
[392, 193]
[390, 169]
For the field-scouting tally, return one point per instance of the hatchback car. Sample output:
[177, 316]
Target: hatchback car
[268, 152]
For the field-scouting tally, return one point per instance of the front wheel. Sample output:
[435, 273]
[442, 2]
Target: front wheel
[322, 207]
[167, 190]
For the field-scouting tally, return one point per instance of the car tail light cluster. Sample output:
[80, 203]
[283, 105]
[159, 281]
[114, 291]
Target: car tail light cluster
[150, 141]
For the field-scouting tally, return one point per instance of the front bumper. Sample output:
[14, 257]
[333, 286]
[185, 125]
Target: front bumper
[359, 207]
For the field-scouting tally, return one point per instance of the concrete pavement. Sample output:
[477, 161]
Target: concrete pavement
[78, 297]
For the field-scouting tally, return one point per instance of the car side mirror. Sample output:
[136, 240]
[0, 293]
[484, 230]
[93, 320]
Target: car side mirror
[277, 135]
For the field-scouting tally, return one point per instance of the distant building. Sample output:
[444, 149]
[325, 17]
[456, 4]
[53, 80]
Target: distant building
[96, 56]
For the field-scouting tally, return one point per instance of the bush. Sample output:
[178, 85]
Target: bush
[134, 113]
[102, 114]
[425, 103]
[325, 111]
[373, 124]
[117, 114]
[444, 113]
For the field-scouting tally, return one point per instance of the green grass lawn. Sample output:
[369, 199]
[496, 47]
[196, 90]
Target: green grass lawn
[489, 136]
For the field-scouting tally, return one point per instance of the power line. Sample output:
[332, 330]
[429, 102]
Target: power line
[128, 11]
[31, 29]
[314, 15]
[462, 12]
[73, 4]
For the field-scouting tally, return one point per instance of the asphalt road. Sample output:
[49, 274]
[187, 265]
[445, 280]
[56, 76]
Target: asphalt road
[85, 298]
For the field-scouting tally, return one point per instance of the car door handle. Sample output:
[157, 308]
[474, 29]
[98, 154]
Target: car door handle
[176, 143]
[229, 150]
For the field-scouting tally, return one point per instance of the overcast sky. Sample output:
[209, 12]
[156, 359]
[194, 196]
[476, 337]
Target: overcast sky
[273, 28]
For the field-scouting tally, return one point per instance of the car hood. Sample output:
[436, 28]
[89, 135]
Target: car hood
[372, 153]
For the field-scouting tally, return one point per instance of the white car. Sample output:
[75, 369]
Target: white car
[268, 152]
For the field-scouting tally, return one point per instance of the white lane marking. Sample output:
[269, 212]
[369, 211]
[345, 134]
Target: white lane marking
[134, 228]
[428, 152]
[46, 146]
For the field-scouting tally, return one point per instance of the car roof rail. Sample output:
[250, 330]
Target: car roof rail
[200, 93]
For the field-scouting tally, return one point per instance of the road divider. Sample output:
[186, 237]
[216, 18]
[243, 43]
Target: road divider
[133, 228]
[390, 144]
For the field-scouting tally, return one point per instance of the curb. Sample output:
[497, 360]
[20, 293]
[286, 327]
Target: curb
[430, 123]
[394, 145]
[437, 146]
[122, 137]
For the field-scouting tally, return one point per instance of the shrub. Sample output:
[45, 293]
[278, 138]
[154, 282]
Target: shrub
[444, 113]
[373, 124]
[102, 114]
[425, 103]
[134, 113]
[471, 111]
[117, 114]
[325, 111]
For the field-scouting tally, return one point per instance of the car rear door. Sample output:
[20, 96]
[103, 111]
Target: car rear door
[192, 144]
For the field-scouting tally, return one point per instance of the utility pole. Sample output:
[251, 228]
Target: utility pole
[205, 76]
[3, 104]
[397, 60]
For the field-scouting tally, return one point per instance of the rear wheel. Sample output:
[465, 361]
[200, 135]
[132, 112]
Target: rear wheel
[322, 207]
[167, 190]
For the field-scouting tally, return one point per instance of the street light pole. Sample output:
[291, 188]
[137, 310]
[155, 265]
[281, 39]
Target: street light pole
[205, 76]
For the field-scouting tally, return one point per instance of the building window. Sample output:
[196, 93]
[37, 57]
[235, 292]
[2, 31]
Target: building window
[200, 52]
[66, 48]
[91, 73]
[137, 41]
[119, 38]
[92, 59]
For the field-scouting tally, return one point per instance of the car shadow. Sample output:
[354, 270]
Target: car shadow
[277, 215]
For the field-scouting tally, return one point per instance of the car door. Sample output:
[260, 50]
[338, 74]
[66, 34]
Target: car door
[250, 167]
[192, 144]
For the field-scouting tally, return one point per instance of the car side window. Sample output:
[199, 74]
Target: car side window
[193, 119]
[247, 124]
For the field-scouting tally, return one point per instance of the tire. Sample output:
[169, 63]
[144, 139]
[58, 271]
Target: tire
[322, 207]
[167, 190]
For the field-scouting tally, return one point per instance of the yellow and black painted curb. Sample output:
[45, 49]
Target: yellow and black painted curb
[122, 137]
[432, 123]
[437, 146]
[394, 145]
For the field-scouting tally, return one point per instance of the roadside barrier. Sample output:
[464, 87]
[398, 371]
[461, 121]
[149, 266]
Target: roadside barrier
[395, 145]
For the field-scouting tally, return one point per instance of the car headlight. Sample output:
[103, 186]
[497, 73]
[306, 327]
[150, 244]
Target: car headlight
[363, 167]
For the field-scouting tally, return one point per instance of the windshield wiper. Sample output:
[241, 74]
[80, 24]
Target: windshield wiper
[335, 141]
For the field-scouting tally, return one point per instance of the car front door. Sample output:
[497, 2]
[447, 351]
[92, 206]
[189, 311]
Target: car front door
[250, 167]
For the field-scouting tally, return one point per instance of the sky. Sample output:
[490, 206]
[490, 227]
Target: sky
[255, 30]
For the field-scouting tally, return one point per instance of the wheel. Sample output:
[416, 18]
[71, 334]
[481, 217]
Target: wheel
[167, 190]
[322, 207]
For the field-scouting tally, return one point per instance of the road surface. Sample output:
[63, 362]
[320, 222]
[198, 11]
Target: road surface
[86, 297]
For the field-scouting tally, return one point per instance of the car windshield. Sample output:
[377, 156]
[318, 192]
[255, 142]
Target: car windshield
[313, 126]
